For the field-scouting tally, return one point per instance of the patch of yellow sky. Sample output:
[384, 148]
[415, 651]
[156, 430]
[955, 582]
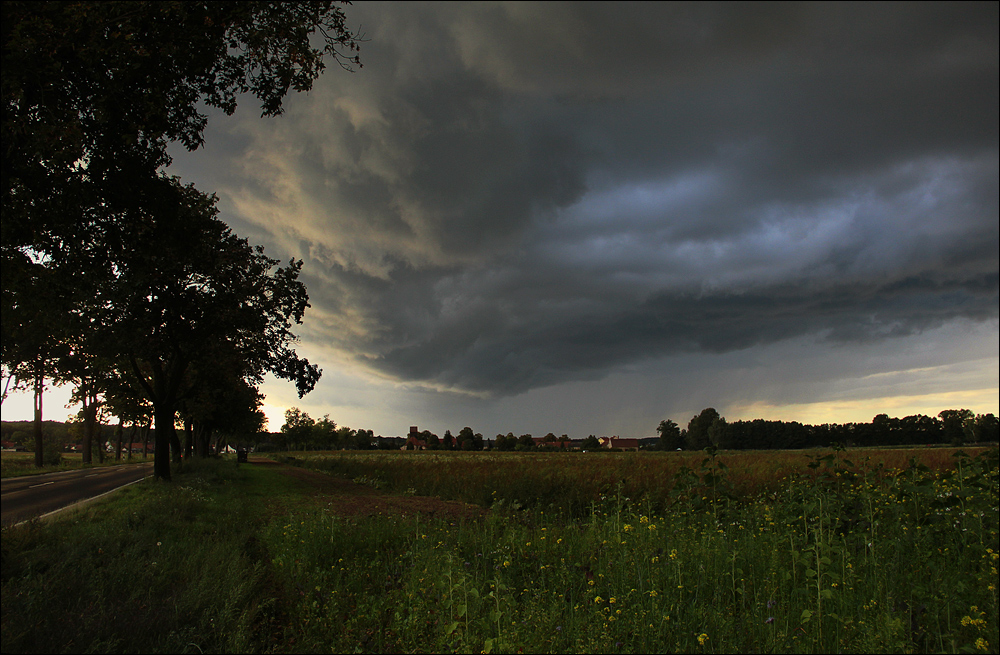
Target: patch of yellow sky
[275, 416]
[980, 401]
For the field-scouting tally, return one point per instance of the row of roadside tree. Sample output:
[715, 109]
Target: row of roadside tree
[117, 278]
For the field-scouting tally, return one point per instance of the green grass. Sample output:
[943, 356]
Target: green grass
[158, 567]
[837, 557]
[831, 562]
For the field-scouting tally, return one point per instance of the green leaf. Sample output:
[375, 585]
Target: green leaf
[451, 627]
[826, 593]
[488, 646]
[806, 615]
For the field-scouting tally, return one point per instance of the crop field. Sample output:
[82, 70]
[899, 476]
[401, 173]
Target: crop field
[645, 552]
[825, 551]
[572, 481]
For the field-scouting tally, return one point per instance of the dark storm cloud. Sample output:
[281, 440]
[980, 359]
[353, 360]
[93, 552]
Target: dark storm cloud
[513, 196]
[480, 353]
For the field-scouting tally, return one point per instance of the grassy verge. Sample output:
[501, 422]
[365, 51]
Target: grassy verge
[838, 557]
[156, 567]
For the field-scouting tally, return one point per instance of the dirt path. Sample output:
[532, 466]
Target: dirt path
[346, 498]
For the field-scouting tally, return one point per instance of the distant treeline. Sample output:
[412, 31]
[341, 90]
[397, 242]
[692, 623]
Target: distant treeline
[56, 433]
[301, 432]
[951, 426]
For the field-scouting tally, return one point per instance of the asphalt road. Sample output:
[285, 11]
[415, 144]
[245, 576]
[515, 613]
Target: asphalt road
[28, 496]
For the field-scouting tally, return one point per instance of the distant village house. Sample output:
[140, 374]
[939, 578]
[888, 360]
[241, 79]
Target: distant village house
[618, 443]
[413, 440]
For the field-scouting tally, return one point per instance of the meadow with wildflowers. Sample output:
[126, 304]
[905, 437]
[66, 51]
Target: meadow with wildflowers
[820, 551]
[840, 556]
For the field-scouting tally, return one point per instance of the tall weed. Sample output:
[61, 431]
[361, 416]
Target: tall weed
[843, 556]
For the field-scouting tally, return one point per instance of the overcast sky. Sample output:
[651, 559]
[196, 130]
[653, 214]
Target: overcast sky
[586, 218]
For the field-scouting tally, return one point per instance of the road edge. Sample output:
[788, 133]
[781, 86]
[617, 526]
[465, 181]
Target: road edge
[49, 516]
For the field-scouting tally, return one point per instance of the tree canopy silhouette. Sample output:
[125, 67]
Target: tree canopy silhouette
[152, 284]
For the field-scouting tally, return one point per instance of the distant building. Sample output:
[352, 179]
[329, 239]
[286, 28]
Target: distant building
[413, 440]
[619, 443]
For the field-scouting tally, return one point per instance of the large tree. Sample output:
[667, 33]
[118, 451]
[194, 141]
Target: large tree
[222, 404]
[670, 435]
[957, 425]
[298, 429]
[93, 93]
[698, 427]
[183, 297]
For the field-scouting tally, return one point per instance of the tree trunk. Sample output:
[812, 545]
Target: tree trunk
[88, 428]
[202, 439]
[165, 435]
[118, 439]
[197, 432]
[39, 387]
[102, 446]
[96, 428]
[161, 390]
[188, 438]
[175, 447]
[131, 440]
